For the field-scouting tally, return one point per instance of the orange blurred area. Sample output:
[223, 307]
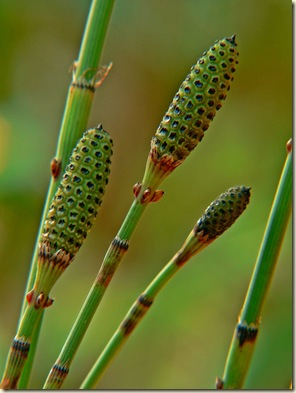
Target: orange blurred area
[183, 341]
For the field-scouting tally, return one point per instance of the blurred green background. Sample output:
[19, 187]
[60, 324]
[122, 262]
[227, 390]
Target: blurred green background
[184, 340]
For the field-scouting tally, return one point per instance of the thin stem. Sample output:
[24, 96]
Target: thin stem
[79, 101]
[136, 314]
[162, 160]
[112, 259]
[25, 375]
[75, 119]
[244, 337]
[94, 38]
[217, 218]
[234, 201]
[20, 347]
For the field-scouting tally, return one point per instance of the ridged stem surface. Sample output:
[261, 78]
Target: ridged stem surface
[112, 259]
[246, 331]
[74, 122]
[182, 128]
[218, 217]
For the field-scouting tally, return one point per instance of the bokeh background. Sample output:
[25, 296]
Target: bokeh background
[184, 340]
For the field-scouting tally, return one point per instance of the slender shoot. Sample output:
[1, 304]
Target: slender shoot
[85, 78]
[182, 128]
[246, 330]
[68, 221]
[219, 216]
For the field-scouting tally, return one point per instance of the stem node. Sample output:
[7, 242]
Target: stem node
[55, 167]
[219, 383]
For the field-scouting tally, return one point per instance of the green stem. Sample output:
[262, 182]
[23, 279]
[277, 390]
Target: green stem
[162, 160]
[112, 259]
[79, 101]
[20, 347]
[25, 375]
[137, 312]
[144, 194]
[244, 337]
[212, 224]
[75, 119]
[94, 38]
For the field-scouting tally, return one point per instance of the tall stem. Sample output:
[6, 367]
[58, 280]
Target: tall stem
[112, 259]
[132, 320]
[168, 151]
[217, 218]
[213, 223]
[74, 122]
[246, 331]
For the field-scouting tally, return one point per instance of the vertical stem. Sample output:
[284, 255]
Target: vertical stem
[79, 100]
[112, 259]
[25, 375]
[94, 37]
[20, 347]
[75, 119]
[244, 337]
[270, 247]
[136, 314]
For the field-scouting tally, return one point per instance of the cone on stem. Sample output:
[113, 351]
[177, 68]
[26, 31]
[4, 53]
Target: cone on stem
[217, 218]
[73, 210]
[193, 108]
[76, 202]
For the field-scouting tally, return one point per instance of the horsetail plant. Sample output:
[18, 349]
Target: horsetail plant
[193, 108]
[246, 331]
[87, 75]
[75, 204]
[69, 219]
[218, 217]
[84, 82]
[181, 129]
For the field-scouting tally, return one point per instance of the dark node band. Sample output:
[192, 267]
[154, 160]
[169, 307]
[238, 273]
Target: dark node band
[86, 86]
[145, 301]
[21, 346]
[119, 243]
[246, 333]
[60, 370]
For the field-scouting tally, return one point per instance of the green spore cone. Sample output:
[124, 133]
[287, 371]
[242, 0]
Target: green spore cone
[223, 212]
[79, 195]
[193, 108]
[196, 102]
[217, 218]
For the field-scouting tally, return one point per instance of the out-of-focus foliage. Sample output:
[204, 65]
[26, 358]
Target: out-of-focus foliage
[183, 341]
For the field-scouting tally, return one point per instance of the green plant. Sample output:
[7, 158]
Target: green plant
[247, 328]
[177, 135]
[217, 218]
[74, 122]
[168, 149]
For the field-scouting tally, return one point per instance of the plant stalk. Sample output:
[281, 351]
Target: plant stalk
[168, 151]
[74, 122]
[246, 331]
[217, 218]
[133, 318]
[112, 259]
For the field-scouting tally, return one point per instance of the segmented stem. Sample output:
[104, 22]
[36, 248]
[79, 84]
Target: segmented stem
[79, 101]
[218, 217]
[20, 346]
[193, 108]
[112, 259]
[216, 66]
[244, 337]
[69, 219]
[76, 114]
